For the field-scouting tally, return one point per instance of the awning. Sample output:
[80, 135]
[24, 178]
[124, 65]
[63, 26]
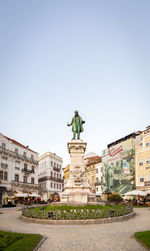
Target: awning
[147, 192]
[34, 195]
[135, 193]
[21, 195]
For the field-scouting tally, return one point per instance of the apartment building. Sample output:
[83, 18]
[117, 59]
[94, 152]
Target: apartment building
[50, 175]
[142, 160]
[18, 169]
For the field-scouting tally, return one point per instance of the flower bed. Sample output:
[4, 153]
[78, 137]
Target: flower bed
[76, 212]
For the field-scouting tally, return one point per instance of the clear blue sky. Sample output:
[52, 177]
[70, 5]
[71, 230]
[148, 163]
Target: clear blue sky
[59, 56]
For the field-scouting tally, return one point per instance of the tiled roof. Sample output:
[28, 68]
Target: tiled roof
[19, 144]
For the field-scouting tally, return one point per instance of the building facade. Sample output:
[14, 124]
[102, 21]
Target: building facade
[98, 183]
[118, 164]
[66, 171]
[50, 175]
[91, 160]
[142, 160]
[18, 168]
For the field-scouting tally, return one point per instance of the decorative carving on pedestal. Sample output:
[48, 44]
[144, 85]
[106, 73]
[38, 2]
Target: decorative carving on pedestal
[76, 187]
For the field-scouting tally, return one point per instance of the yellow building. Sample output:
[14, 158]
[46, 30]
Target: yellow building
[66, 172]
[142, 160]
[90, 161]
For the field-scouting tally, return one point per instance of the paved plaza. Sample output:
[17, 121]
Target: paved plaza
[115, 236]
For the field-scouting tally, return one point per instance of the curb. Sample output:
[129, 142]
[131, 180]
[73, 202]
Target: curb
[40, 243]
[78, 222]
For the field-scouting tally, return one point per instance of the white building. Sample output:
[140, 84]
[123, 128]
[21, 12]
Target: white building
[98, 183]
[50, 175]
[18, 168]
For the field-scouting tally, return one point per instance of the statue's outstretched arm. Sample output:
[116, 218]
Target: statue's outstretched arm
[69, 124]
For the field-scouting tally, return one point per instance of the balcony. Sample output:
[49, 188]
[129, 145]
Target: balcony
[7, 152]
[56, 169]
[147, 183]
[98, 183]
[27, 171]
[23, 184]
[50, 178]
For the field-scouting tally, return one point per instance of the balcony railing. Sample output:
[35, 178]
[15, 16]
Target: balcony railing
[50, 178]
[18, 156]
[56, 169]
[98, 183]
[147, 183]
[21, 183]
[27, 170]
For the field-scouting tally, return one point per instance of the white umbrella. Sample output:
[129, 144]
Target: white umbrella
[21, 195]
[135, 193]
[147, 192]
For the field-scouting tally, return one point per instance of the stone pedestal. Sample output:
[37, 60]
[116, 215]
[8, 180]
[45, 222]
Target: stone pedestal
[77, 188]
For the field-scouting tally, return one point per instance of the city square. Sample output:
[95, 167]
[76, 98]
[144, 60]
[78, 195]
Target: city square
[75, 128]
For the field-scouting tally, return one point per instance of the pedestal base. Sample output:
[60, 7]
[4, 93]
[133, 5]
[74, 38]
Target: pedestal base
[77, 196]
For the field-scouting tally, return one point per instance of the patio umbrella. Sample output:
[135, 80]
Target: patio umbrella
[147, 192]
[135, 193]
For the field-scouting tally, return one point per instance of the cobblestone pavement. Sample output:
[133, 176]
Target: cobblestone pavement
[115, 236]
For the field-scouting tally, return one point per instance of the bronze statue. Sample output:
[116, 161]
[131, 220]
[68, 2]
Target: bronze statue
[77, 126]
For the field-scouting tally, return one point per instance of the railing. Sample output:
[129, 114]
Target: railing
[19, 156]
[50, 178]
[21, 183]
[56, 169]
[27, 170]
[147, 183]
[98, 183]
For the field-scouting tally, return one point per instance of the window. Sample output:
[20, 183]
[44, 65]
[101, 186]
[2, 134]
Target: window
[147, 144]
[25, 179]
[96, 170]
[32, 157]
[51, 185]
[60, 166]
[54, 185]
[51, 163]
[141, 179]
[16, 177]
[51, 174]
[3, 165]
[24, 154]
[54, 175]
[148, 161]
[1, 175]
[32, 169]
[32, 180]
[57, 186]
[140, 162]
[5, 176]
[97, 189]
[25, 166]
[3, 146]
[54, 164]
[16, 151]
[60, 186]
[57, 175]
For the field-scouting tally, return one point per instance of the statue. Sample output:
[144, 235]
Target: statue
[77, 126]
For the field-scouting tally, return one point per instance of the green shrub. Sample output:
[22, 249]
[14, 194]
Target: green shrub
[65, 212]
[114, 197]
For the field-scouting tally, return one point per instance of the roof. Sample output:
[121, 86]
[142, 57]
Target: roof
[90, 155]
[19, 144]
[132, 135]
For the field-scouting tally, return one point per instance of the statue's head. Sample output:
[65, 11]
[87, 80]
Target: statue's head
[76, 113]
